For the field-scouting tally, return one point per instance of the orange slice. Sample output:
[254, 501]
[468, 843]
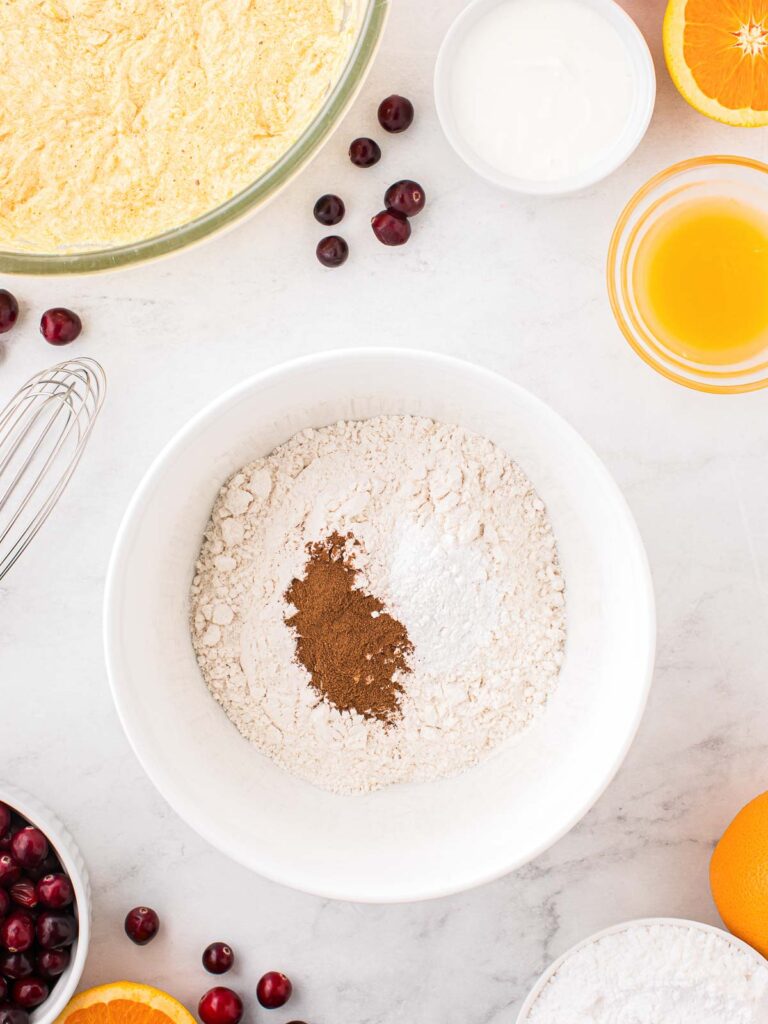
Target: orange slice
[717, 55]
[124, 1002]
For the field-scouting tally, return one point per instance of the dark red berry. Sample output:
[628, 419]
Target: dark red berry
[55, 931]
[50, 866]
[29, 847]
[395, 114]
[59, 326]
[29, 992]
[5, 902]
[218, 958]
[55, 891]
[329, 210]
[16, 965]
[406, 197]
[220, 1006]
[23, 893]
[391, 228]
[5, 810]
[332, 251]
[141, 925]
[17, 931]
[52, 962]
[13, 1015]
[273, 990]
[9, 312]
[10, 872]
[364, 152]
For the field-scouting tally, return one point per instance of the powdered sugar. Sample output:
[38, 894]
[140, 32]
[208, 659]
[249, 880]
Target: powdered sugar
[665, 973]
[450, 536]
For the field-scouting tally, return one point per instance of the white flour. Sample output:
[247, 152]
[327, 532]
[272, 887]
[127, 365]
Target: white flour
[657, 974]
[453, 540]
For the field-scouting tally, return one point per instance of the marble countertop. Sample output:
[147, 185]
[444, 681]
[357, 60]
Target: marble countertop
[515, 284]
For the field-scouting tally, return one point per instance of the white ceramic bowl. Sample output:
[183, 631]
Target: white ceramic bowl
[552, 970]
[413, 841]
[69, 855]
[636, 127]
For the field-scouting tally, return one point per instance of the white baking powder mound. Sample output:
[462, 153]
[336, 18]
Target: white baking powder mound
[453, 540]
[665, 973]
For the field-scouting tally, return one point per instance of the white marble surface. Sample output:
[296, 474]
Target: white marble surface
[513, 283]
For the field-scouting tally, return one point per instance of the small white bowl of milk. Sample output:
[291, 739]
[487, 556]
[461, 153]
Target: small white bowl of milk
[544, 97]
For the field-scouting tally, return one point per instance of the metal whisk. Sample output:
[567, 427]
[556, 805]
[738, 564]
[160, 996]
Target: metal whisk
[43, 432]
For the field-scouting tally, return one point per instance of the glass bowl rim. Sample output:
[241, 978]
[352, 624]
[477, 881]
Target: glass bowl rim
[720, 383]
[237, 207]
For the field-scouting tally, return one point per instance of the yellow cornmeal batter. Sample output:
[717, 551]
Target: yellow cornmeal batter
[120, 119]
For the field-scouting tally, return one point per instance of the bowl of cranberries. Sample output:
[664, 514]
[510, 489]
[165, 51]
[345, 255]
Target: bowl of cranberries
[44, 911]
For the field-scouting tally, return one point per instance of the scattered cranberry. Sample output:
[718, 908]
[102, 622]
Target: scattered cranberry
[29, 993]
[55, 891]
[13, 1015]
[220, 1006]
[54, 931]
[9, 312]
[10, 872]
[329, 210]
[395, 114]
[406, 197]
[364, 152]
[17, 932]
[52, 962]
[273, 990]
[24, 893]
[141, 925]
[16, 965]
[332, 251]
[391, 228]
[59, 326]
[29, 847]
[218, 958]
[5, 811]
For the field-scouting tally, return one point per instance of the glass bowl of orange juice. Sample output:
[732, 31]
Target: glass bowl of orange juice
[688, 273]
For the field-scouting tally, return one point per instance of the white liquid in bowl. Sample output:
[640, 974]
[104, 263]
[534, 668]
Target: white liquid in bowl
[542, 90]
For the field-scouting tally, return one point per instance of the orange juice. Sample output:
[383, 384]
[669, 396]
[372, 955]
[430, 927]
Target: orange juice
[701, 280]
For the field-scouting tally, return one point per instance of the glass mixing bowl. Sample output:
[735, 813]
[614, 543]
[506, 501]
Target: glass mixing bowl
[372, 20]
[699, 178]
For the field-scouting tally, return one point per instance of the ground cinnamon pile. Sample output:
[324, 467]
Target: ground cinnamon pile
[349, 645]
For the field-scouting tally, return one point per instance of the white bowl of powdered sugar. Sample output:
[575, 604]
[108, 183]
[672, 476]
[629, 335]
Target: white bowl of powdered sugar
[396, 633]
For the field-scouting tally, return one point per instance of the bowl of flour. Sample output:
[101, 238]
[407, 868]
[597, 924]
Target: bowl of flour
[653, 970]
[396, 634]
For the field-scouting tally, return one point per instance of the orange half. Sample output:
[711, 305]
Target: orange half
[717, 55]
[124, 1002]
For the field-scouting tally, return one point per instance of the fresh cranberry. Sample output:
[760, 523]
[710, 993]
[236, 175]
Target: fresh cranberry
[9, 312]
[220, 1006]
[218, 958]
[10, 872]
[141, 925]
[24, 894]
[391, 228]
[55, 891]
[364, 152]
[406, 197]
[395, 114]
[5, 810]
[29, 847]
[329, 210]
[17, 932]
[52, 962]
[332, 251]
[55, 931]
[50, 866]
[16, 965]
[273, 990]
[13, 1015]
[29, 992]
[59, 326]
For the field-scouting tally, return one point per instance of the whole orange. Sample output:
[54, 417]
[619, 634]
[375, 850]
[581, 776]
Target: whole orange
[738, 874]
